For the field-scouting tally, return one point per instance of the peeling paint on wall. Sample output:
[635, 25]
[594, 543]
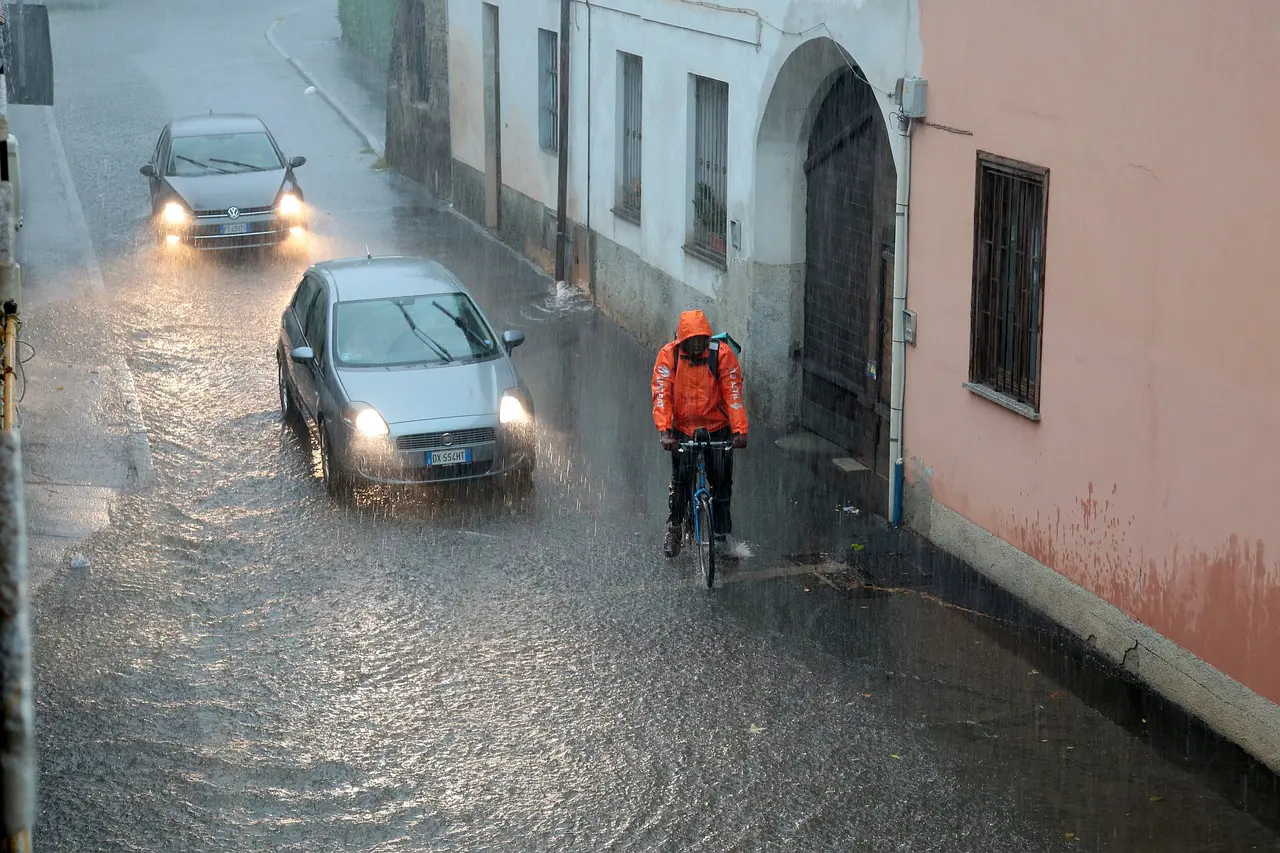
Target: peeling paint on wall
[1221, 602]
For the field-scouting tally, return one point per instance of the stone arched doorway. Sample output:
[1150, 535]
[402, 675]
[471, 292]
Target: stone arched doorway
[850, 183]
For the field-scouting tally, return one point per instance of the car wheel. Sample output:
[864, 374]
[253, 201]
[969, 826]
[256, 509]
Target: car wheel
[336, 482]
[288, 403]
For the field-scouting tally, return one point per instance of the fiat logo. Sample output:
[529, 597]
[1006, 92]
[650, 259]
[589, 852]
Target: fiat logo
[233, 212]
[446, 439]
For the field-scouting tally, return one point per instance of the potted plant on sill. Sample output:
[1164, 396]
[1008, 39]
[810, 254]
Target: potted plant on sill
[711, 214]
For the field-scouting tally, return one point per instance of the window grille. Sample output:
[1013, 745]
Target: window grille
[710, 167]
[629, 171]
[548, 90]
[1008, 278]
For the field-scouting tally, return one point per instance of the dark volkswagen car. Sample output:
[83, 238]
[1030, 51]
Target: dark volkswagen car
[400, 377]
[221, 182]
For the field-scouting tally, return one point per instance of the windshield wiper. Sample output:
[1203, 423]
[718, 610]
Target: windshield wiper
[200, 163]
[237, 163]
[457, 321]
[423, 336]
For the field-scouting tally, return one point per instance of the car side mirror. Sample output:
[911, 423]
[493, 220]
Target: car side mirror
[303, 355]
[512, 339]
[147, 171]
[295, 162]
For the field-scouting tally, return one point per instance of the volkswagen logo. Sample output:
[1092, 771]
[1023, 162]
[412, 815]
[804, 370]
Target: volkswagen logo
[233, 212]
[446, 439]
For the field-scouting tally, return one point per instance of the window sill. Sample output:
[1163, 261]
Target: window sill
[1003, 400]
[550, 152]
[705, 255]
[627, 214]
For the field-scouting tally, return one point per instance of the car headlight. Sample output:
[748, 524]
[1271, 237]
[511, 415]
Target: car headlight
[512, 410]
[366, 421]
[290, 205]
[174, 213]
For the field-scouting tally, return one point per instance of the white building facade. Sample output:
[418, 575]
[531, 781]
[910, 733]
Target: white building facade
[736, 160]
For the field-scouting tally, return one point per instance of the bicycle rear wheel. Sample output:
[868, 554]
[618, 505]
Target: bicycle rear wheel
[706, 541]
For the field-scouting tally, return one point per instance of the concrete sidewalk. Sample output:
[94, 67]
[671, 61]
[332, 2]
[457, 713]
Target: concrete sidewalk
[84, 442]
[311, 41]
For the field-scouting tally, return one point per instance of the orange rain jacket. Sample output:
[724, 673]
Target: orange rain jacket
[694, 397]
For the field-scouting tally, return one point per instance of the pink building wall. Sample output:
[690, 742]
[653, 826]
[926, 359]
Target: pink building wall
[1153, 478]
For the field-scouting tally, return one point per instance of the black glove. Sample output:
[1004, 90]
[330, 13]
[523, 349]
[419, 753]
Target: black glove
[669, 440]
[740, 441]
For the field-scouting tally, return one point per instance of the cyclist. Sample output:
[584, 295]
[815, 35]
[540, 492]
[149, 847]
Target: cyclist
[698, 383]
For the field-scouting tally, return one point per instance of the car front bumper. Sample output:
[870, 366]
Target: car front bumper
[441, 452]
[213, 232]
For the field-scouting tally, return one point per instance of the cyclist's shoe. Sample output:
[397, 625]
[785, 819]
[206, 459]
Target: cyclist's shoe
[675, 538]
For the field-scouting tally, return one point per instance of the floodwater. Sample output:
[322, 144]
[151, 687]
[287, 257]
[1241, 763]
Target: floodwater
[245, 663]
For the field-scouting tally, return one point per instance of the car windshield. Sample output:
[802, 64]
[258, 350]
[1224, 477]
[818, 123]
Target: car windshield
[410, 330]
[222, 153]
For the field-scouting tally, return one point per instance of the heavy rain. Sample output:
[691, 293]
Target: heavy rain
[227, 656]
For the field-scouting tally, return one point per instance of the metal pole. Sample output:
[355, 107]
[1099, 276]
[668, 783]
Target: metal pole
[17, 746]
[897, 374]
[10, 360]
[562, 103]
[18, 47]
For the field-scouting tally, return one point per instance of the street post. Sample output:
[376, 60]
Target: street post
[17, 740]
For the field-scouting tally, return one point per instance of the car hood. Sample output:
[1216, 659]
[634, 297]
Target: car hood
[218, 192]
[425, 393]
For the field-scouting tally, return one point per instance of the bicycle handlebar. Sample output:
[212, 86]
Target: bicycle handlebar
[709, 445]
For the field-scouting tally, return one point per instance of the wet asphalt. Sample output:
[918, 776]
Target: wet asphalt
[247, 665]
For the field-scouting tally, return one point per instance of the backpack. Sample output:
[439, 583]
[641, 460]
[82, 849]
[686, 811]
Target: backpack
[713, 353]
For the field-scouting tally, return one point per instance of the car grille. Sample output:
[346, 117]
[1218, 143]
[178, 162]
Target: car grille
[244, 211]
[434, 440]
[238, 241]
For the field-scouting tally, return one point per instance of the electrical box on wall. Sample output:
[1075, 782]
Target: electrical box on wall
[909, 326]
[913, 96]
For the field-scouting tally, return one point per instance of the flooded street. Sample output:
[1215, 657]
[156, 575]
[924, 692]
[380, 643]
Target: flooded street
[243, 663]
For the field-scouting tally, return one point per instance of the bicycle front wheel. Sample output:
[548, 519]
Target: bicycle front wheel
[706, 541]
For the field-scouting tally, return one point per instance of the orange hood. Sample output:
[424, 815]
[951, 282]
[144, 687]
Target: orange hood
[692, 324]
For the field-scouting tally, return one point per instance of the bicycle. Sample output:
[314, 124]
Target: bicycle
[700, 520]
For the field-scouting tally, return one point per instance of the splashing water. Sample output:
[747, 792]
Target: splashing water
[565, 300]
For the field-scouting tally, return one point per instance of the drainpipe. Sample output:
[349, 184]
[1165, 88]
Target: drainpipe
[562, 102]
[587, 3]
[899, 358]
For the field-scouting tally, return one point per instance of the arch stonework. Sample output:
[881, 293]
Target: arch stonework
[776, 244]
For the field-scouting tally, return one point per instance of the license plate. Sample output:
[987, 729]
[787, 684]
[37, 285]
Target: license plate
[449, 457]
[236, 228]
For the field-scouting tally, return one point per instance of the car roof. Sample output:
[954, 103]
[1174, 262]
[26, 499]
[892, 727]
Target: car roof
[388, 276]
[216, 123]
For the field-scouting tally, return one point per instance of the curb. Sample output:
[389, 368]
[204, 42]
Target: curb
[351, 121]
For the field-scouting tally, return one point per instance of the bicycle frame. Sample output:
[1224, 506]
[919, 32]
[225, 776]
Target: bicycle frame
[701, 487]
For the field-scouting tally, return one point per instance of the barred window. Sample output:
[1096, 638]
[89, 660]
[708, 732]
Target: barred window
[548, 90]
[631, 100]
[1008, 280]
[710, 166]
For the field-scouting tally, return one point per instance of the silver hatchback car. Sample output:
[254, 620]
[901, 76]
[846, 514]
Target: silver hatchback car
[399, 376]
